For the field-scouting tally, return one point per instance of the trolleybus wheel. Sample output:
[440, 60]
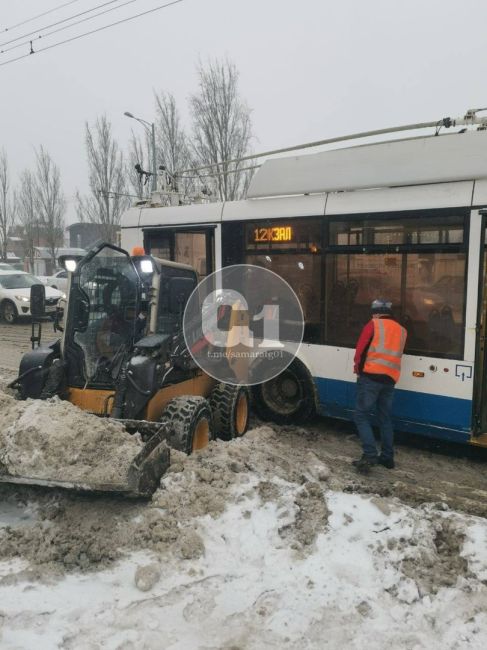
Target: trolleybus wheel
[289, 397]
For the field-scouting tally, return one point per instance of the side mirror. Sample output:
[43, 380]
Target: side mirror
[38, 301]
[180, 290]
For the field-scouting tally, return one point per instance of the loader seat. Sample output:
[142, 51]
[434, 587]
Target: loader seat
[112, 332]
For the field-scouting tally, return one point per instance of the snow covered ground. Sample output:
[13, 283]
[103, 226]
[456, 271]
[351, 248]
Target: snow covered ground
[269, 541]
[361, 571]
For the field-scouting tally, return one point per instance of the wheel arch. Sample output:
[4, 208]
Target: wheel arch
[311, 381]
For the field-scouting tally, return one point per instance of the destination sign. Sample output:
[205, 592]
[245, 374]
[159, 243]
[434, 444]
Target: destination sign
[273, 234]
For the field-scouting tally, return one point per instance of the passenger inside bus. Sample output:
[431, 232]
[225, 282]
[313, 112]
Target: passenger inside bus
[427, 302]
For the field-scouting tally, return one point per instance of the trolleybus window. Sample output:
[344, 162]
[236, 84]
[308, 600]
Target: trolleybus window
[338, 266]
[397, 231]
[292, 249]
[193, 247]
[417, 263]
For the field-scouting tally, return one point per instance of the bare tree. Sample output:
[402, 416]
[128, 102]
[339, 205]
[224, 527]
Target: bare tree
[139, 154]
[27, 211]
[171, 140]
[108, 193]
[222, 128]
[7, 205]
[49, 201]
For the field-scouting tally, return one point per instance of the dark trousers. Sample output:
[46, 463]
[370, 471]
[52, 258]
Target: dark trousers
[374, 396]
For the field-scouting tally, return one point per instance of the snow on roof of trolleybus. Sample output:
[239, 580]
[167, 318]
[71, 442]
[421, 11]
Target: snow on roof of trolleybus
[392, 163]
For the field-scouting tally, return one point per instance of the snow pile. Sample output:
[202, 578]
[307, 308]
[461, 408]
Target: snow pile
[74, 533]
[256, 543]
[55, 440]
[253, 588]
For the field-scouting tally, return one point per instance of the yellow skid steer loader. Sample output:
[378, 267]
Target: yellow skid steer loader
[122, 355]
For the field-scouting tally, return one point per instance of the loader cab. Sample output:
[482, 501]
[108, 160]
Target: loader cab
[105, 299]
[116, 300]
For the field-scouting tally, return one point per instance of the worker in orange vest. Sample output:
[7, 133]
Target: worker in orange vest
[377, 363]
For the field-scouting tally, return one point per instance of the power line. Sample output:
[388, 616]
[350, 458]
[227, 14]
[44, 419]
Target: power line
[59, 22]
[60, 29]
[93, 31]
[29, 20]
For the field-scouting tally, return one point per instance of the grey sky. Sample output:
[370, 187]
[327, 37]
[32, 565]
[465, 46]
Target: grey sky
[309, 69]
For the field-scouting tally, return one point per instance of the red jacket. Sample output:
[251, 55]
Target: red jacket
[366, 336]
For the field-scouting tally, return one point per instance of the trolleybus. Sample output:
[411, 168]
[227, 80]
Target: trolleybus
[398, 219]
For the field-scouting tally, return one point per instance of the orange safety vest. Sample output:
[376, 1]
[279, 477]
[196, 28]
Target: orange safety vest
[386, 348]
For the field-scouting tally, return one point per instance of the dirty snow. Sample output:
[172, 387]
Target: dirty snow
[269, 541]
[251, 589]
[55, 440]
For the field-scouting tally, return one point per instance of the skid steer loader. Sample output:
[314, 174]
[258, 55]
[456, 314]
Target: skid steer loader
[123, 355]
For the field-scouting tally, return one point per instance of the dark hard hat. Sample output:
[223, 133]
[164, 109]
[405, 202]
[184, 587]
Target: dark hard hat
[381, 306]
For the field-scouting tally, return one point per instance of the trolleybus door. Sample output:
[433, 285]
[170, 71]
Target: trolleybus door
[480, 396]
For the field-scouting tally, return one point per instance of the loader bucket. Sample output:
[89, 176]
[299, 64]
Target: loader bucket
[143, 476]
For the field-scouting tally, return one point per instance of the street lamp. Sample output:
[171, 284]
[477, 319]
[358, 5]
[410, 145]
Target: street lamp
[150, 128]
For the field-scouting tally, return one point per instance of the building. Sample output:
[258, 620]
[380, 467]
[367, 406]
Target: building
[84, 235]
[43, 262]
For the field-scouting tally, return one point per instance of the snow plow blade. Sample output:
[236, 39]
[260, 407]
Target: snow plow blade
[143, 476]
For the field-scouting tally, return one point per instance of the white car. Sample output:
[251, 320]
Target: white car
[58, 280]
[15, 295]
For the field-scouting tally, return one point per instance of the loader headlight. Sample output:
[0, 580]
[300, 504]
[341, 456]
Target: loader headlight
[22, 298]
[70, 265]
[146, 266]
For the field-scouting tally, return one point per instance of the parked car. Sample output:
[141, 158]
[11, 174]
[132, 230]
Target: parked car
[14, 266]
[59, 280]
[15, 295]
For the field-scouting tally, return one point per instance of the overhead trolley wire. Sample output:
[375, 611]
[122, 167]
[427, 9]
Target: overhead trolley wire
[59, 22]
[44, 13]
[61, 29]
[93, 31]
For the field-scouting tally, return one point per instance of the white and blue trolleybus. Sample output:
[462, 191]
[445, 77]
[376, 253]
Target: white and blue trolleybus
[397, 219]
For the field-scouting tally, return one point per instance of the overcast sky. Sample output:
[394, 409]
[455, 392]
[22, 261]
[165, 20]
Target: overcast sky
[309, 69]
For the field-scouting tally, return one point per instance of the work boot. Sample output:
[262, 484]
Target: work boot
[363, 465]
[386, 462]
